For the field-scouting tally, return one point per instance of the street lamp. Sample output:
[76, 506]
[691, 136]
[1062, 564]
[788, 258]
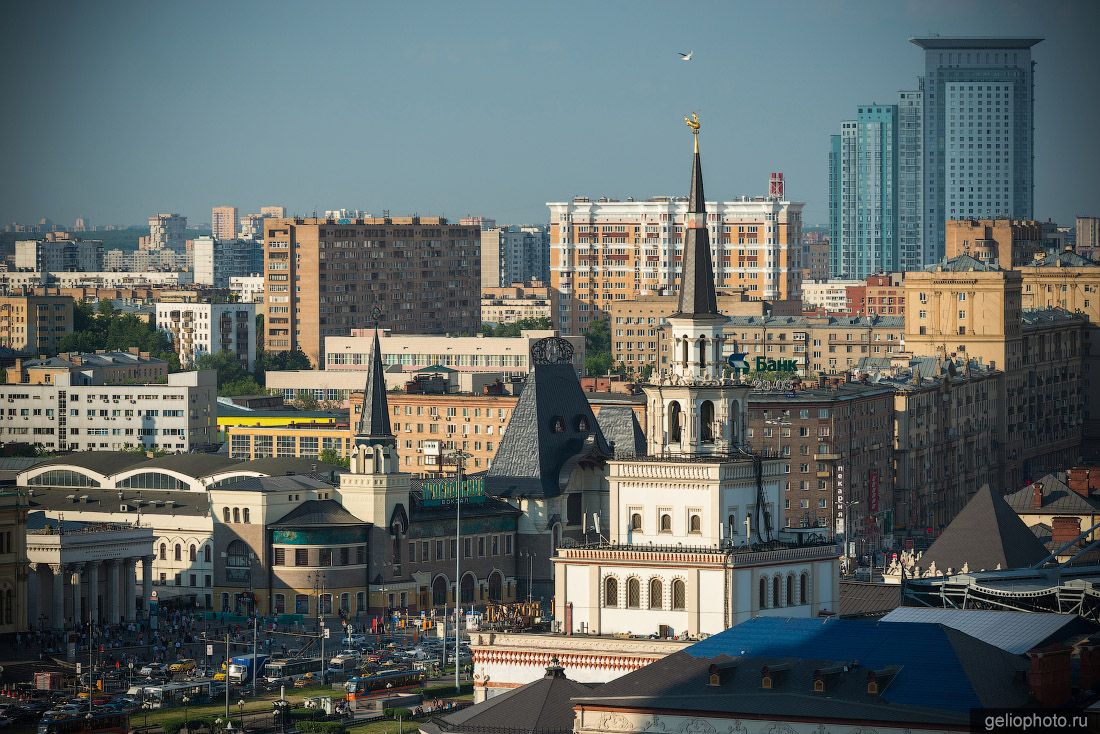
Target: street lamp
[318, 579]
[240, 709]
[458, 458]
[186, 723]
[847, 533]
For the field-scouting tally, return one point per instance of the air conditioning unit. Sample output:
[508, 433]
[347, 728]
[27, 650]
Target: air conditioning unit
[124, 508]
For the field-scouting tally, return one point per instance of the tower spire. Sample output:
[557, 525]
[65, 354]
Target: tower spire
[697, 297]
[374, 420]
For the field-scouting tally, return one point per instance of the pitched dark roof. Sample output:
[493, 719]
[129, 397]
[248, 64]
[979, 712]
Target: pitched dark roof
[373, 428]
[963, 264]
[860, 599]
[281, 483]
[533, 453]
[941, 673]
[101, 462]
[146, 501]
[1057, 497]
[697, 296]
[274, 466]
[623, 432]
[317, 512]
[1064, 259]
[540, 706]
[986, 534]
[192, 465]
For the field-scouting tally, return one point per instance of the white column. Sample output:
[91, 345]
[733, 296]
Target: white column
[73, 575]
[129, 584]
[146, 580]
[93, 592]
[58, 619]
[113, 591]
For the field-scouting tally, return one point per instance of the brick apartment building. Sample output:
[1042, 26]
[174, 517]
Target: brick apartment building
[323, 277]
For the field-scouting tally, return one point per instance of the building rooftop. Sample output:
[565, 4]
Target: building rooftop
[314, 513]
[94, 359]
[1014, 632]
[983, 42]
[843, 391]
[1034, 316]
[926, 673]
[623, 432]
[1063, 259]
[192, 465]
[963, 264]
[144, 501]
[826, 322]
[863, 599]
[1056, 497]
[986, 534]
[101, 462]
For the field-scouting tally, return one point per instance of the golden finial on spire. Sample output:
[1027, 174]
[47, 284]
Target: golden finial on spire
[693, 123]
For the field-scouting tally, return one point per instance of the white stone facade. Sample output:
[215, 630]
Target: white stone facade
[177, 416]
[831, 295]
[207, 328]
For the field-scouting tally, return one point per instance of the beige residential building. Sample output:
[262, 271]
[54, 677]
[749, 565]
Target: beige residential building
[1007, 242]
[273, 211]
[304, 440]
[13, 562]
[35, 323]
[325, 277]
[971, 309]
[517, 301]
[223, 223]
[605, 250]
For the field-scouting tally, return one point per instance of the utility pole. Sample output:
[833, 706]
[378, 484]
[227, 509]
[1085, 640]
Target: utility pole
[229, 725]
[255, 629]
[459, 457]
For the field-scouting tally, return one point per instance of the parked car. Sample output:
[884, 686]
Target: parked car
[152, 670]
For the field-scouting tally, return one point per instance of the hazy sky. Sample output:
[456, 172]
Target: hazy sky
[115, 110]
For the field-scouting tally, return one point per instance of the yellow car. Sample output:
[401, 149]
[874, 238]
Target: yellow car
[220, 676]
[185, 665]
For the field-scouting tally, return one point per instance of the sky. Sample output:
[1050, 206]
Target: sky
[116, 110]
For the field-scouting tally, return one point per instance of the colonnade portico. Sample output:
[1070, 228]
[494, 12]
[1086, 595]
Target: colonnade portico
[86, 572]
[101, 592]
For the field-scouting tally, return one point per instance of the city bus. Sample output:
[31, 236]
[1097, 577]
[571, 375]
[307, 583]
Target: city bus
[394, 680]
[283, 669]
[102, 721]
[172, 693]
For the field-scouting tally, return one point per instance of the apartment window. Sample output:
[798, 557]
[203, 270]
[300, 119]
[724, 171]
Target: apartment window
[280, 557]
[301, 557]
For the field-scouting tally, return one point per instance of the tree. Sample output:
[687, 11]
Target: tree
[516, 327]
[331, 456]
[229, 368]
[645, 373]
[244, 386]
[103, 327]
[277, 361]
[306, 401]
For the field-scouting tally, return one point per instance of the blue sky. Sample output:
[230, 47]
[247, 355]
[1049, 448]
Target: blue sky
[115, 110]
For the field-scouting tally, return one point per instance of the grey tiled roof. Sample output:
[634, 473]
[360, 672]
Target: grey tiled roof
[1065, 259]
[540, 706]
[986, 534]
[860, 599]
[193, 465]
[622, 431]
[1014, 632]
[317, 512]
[532, 454]
[101, 462]
[963, 264]
[1057, 497]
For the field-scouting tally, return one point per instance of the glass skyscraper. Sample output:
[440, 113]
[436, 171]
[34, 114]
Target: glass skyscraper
[978, 131]
[863, 194]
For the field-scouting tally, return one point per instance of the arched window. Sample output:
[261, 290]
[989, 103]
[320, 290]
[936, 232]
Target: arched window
[706, 421]
[695, 525]
[439, 591]
[790, 591]
[611, 592]
[496, 584]
[776, 599]
[246, 520]
[468, 589]
[679, 594]
[666, 523]
[206, 553]
[236, 514]
[735, 419]
[192, 554]
[633, 593]
[238, 563]
[675, 417]
[179, 552]
[656, 594]
[636, 522]
[163, 552]
[225, 514]
[764, 593]
[803, 588]
[62, 478]
[684, 353]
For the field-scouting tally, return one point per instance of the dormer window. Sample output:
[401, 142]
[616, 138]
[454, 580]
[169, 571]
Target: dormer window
[558, 424]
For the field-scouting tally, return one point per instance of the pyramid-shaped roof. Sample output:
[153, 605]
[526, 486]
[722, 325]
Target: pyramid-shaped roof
[985, 535]
[374, 421]
[697, 296]
[964, 263]
[552, 427]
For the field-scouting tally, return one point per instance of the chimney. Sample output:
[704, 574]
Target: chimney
[1090, 664]
[1065, 529]
[1037, 496]
[1050, 676]
[1081, 480]
[821, 380]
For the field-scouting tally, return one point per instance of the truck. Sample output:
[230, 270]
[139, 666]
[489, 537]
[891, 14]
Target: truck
[243, 667]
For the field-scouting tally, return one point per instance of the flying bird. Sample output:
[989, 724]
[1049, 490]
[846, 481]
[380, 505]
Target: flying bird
[687, 56]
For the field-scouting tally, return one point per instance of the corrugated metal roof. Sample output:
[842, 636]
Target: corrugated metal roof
[1014, 632]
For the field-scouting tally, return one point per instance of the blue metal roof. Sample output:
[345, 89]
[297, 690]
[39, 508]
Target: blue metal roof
[934, 659]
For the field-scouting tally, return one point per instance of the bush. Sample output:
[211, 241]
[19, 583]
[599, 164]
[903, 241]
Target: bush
[322, 727]
[448, 690]
[176, 725]
[304, 714]
[395, 712]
